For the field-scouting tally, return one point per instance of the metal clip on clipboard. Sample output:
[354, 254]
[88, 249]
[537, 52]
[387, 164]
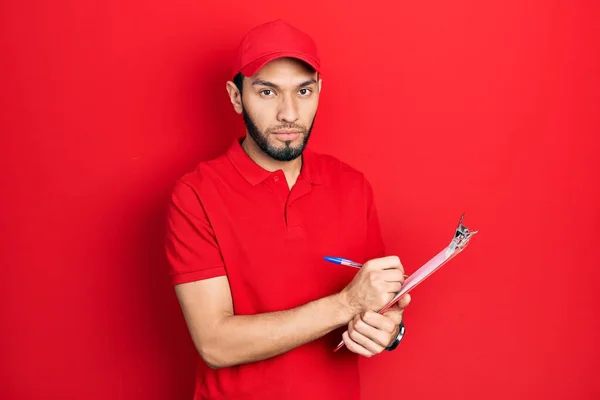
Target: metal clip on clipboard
[462, 237]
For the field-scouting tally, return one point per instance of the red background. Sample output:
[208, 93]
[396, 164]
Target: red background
[491, 109]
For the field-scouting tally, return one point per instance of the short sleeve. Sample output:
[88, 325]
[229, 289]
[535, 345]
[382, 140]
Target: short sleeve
[191, 247]
[375, 244]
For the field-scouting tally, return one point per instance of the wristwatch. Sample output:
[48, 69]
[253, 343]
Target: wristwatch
[398, 338]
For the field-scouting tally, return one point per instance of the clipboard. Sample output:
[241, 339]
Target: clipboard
[462, 237]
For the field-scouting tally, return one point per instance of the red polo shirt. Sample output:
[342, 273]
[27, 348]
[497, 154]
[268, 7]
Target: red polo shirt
[231, 217]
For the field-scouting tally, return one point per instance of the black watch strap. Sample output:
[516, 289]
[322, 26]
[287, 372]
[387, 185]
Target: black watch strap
[398, 338]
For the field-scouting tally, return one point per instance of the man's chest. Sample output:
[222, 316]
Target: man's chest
[273, 245]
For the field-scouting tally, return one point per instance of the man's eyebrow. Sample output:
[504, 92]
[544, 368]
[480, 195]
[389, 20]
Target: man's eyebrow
[260, 82]
[307, 83]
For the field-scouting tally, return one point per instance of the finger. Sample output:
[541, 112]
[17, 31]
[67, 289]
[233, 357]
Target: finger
[395, 263]
[389, 262]
[404, 301]
[392, 287]
[387, 297]
[370, 345]
[389, 324]
[355, 347]
[368, 336]
[393, 275]
[395, 315]
[401, 304]
[381, 322]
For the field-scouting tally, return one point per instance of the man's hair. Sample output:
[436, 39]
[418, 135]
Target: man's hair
[238, 80]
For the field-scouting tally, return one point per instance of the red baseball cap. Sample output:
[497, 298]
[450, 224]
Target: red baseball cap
[272, 40]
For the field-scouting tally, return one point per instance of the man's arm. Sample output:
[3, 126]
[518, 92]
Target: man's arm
[224, 339]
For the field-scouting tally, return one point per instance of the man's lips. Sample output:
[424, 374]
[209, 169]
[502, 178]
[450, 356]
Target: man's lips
[286, 135]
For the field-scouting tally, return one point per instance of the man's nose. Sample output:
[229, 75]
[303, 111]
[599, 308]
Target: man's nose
[288, 110]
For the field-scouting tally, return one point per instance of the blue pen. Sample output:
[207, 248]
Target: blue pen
[343, 261]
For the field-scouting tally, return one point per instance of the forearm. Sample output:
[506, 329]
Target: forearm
[239, 339]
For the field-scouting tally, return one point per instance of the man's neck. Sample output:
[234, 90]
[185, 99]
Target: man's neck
[291, 169]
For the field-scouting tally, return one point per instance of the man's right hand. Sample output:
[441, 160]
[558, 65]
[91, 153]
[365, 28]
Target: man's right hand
[375, 285]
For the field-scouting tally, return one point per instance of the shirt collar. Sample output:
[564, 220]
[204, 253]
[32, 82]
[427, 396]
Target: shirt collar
[256, 174]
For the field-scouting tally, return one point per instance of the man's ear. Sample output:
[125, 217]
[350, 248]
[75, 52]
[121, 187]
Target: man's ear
[320, 83]
[234, 96]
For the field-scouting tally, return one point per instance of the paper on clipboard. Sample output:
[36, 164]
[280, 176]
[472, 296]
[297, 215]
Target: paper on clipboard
[459, 242]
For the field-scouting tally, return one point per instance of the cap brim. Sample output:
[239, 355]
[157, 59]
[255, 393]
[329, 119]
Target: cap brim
[256, 65]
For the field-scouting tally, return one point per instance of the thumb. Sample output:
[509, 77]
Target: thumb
[404, 301]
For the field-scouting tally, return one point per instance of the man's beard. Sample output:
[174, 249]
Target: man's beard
[288, 153]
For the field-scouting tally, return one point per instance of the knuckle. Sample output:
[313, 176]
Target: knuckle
[398, 319]
[383, 298]
[370, 264]
[392, 261]
[359, 325]
[347, 340]
[374, 276]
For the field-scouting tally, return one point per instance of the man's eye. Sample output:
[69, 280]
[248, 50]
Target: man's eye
[266, 92]
[304, 92]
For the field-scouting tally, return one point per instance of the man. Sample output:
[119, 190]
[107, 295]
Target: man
[248, 233]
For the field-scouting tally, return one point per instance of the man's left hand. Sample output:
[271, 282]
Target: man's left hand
[369, 333]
